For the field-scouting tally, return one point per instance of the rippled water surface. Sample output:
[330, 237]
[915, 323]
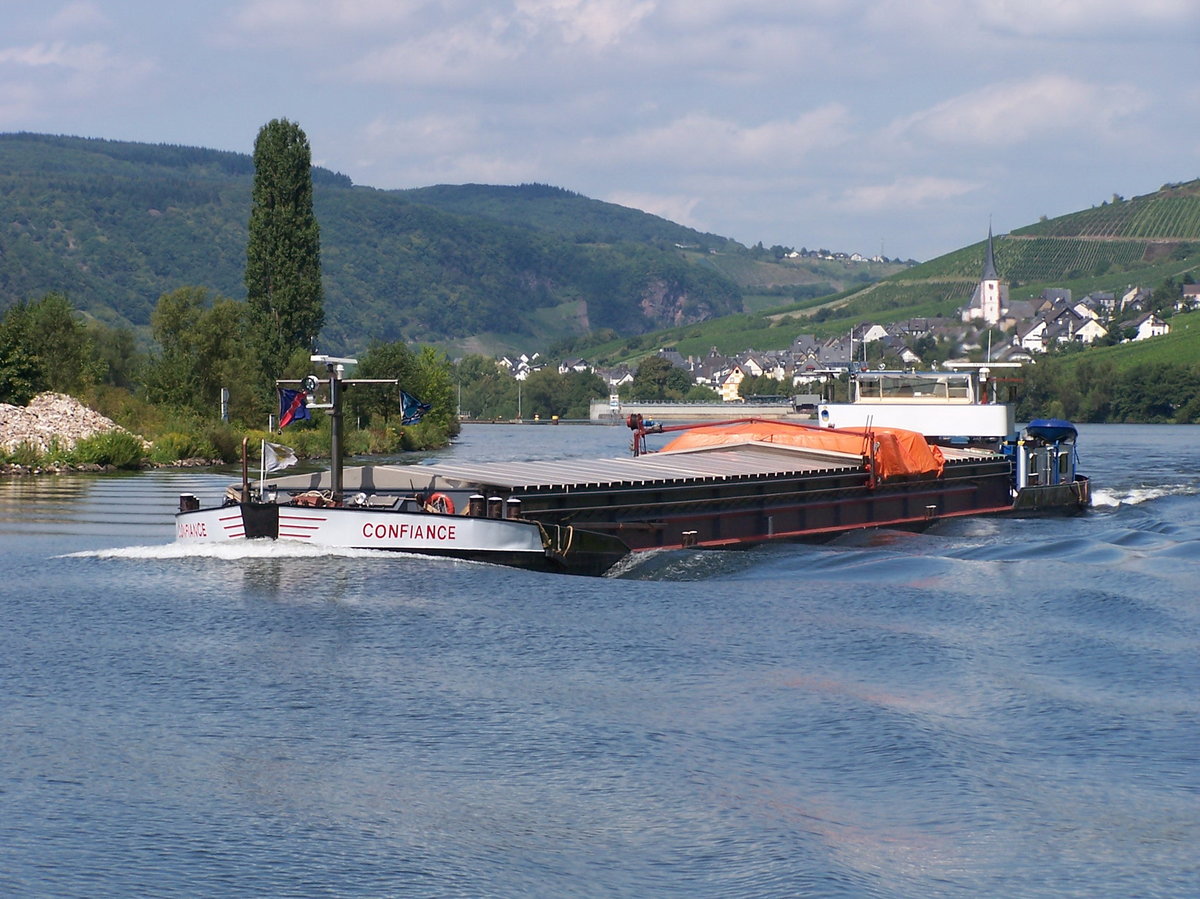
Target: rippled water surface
[1000, 708]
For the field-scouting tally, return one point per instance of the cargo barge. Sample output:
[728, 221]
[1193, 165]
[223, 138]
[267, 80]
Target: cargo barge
[718, 485]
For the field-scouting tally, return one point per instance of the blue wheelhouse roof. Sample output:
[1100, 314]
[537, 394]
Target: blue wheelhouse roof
[1052, 429]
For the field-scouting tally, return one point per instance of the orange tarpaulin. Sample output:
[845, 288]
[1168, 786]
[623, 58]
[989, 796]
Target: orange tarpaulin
[896, 452]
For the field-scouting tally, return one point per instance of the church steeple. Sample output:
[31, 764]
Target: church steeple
[989, 260]
[990, 300]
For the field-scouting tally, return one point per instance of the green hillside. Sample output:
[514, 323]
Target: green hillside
[1181, 346]
[1111, 246]
[1120, 243]
[764, 279]
[492, 269]
[116, 225]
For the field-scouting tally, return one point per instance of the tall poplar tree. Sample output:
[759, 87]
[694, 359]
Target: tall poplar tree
[283, 255]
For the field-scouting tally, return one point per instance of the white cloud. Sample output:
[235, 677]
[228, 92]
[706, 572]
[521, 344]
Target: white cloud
[543, 44]
[1089, 18]
[463, 54]
[705, 14]
[908, 193]
[442, 149]
[64, 72]
[1014, 112]
[432, 135]
[673, 207]
[518, 25]
[702, 141]
[264, 18]
[93, 59]
[37, 55]
[595, 22]
[599, 23]
[940, 22]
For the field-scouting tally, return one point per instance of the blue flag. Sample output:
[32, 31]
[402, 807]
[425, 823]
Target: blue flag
[291, 407]
[411, 408]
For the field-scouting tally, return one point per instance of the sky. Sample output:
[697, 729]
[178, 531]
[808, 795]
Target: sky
[901, 127]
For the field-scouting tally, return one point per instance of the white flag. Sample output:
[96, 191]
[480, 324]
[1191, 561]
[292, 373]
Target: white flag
[276, 456]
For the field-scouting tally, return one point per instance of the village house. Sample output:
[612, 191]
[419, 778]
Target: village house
[522, 366]
[1074, 322]
[1103, 303]
[573, 365]
[1146, 326]
[1135, 299]
[1090, 331]
[868, 332]
[729, 386]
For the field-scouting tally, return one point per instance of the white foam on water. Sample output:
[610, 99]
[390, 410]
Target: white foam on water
[232, 550]
[1132, 496]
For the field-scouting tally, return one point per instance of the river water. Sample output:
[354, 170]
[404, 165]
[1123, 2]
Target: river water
[991, 708]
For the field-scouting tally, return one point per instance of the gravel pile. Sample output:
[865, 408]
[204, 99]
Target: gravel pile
[49, 417]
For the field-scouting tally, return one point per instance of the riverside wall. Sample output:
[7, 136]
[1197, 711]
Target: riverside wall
[603, 410]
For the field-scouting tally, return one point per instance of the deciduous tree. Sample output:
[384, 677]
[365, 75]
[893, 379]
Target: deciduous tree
[657, 379]
[202, 348]
[44, 346]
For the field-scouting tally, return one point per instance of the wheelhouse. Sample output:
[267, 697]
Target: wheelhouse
[1045, 454]
[915, 387]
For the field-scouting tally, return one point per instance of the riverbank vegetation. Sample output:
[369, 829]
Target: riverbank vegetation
[171, 394]
[111, 449]
[1150, 381]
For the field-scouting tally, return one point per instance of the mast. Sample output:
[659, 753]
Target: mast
[335, 430]
[336, 366]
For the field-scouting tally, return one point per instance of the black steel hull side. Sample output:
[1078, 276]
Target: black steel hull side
[725, 512]
[1072, 498]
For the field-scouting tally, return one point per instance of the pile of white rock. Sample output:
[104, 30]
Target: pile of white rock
[48, 418]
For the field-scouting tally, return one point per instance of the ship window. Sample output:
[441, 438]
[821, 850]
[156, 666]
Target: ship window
[1064, 463]
[1033, 463]
[904, 386]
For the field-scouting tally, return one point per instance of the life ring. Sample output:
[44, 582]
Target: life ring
[439, 502]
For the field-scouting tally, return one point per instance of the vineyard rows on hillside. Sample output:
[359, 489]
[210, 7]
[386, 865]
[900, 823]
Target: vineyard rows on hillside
[1175, 216]
[1041, 259]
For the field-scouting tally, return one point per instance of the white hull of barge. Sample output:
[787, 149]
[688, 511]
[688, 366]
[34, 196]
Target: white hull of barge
[414, 532]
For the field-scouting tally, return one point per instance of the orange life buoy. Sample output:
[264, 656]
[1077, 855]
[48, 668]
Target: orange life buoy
[439, 502]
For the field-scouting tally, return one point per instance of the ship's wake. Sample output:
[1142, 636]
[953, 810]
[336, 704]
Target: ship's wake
[1112, 497]
[232, 550]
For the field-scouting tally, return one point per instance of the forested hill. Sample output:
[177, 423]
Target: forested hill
[565, 213]
[115, 225]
